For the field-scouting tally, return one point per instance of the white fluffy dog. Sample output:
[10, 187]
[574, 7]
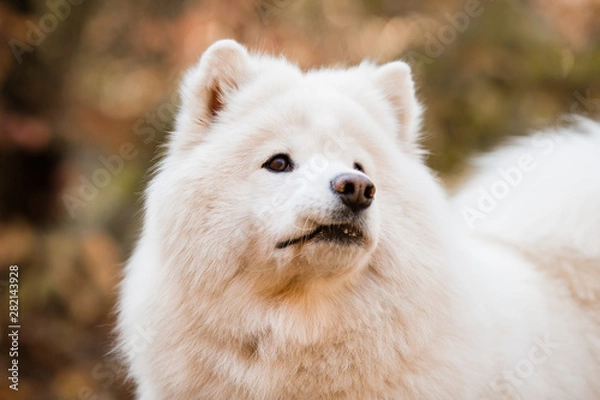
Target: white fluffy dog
[295, 246]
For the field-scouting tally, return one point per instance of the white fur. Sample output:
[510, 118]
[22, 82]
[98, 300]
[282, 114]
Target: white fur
[424, 308]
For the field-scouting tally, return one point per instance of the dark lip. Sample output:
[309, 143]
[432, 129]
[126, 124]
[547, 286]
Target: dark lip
[331, 232]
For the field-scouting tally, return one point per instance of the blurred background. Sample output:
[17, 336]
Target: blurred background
[87, 94]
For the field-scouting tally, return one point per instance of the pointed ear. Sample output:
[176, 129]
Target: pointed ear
[395, 81]
[207, 87]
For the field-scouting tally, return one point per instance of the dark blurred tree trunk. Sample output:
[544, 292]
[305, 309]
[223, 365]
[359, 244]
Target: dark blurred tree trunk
[31, 151]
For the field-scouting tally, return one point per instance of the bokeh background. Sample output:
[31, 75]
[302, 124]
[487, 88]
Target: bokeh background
[87, 94]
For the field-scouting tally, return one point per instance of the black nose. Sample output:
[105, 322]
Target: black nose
[356, 191]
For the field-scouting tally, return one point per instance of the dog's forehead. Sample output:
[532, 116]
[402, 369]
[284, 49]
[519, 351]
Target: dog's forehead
[315, 130]
[318, 123]
[321, 107]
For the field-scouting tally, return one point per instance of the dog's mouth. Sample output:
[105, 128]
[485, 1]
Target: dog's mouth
[339, 233]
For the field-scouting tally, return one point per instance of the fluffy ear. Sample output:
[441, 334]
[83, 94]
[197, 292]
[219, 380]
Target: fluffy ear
[395, 81]
[207, 87]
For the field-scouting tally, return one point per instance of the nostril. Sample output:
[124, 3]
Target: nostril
[348, 188]
[343, 185]
[370, 191]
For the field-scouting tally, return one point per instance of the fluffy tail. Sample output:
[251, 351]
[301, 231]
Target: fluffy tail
[541, 194]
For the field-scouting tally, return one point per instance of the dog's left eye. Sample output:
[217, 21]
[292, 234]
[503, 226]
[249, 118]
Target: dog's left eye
[279, 163]
[359, 167]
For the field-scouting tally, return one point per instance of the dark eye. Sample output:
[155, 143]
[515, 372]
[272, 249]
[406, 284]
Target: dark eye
[279, 163]
[358, 167]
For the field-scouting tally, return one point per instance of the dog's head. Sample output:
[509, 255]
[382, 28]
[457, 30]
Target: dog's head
[289, 173]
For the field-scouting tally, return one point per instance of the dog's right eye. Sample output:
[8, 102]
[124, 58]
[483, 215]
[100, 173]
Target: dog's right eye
[279, 163]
